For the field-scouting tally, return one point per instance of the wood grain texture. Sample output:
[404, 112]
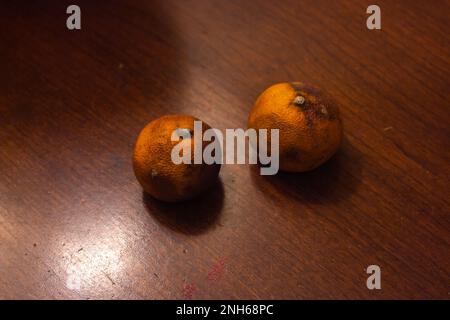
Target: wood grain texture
[75, 224]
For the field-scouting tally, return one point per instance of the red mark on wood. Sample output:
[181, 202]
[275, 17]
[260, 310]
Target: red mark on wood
[217, 269]
[189, 290]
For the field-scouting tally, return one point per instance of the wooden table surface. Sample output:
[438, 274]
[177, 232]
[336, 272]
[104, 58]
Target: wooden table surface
[74, 222]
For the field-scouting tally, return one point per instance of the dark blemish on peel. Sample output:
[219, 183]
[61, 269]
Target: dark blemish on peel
[314, 103]
[297, 86]
[309, 117]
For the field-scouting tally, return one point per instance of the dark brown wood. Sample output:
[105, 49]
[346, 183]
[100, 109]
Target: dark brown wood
[75, 224]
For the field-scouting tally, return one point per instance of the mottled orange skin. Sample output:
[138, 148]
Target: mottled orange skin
[308, 120]
[156, 172]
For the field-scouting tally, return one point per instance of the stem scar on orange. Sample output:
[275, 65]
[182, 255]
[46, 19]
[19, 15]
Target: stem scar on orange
[158, 175]
[308, 120]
